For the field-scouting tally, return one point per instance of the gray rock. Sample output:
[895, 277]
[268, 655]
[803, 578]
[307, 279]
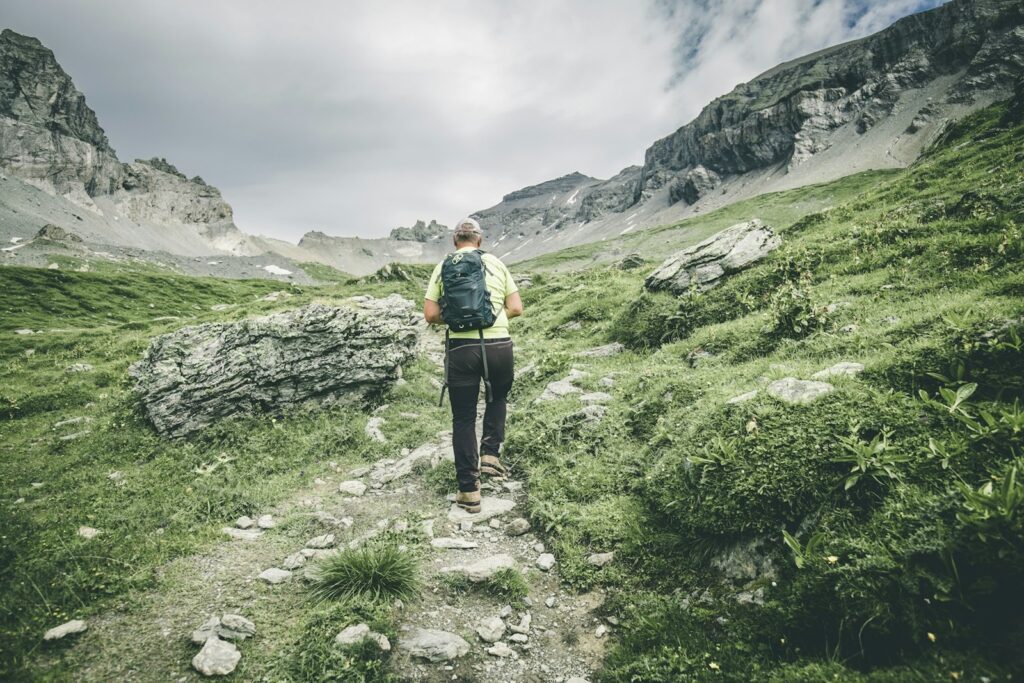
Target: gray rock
[356, 634]
[453, 544]
[605, 351]
[691, 185]
[600, 631]
[88, 533]
[517, 527]
[551, 602]
[546, 561]
[523, 627]
[244, 522]
[433, 645]
[500, 650]
[318, 354]
[274, 575]
[703, 265]
[519, 638]
[800, 391]
[630, 262]
[323, 541]
[352, 488]
[483, 569]
[294, 561]
[846, 368]
[228, 627]
[217, 658]
[68, 628]
[558, 389]
[242, 534]
[742, 398]
[600, 559]
[373, 431]
[80, 367]
[505, 612]
[266, 522]
[491, 629]
[489, 507]
[596, 397]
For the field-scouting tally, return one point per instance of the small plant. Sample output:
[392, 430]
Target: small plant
[870, 458]
[995, 504]
[802, 553]
[374, 573]
[509, 584]
[792, 313]
[441, 479]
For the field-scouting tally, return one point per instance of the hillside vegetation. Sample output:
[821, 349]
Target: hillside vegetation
[875, 534]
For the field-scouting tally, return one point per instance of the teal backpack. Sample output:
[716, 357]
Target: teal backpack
[466, 304]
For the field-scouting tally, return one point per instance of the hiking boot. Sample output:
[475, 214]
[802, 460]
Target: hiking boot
[492, 467]
[468, 500]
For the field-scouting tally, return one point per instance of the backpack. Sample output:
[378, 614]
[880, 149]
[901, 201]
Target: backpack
[466, 304]
[465, 301]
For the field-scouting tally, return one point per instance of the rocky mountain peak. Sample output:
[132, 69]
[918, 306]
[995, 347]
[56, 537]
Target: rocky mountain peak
[559, 185]
[35, 90]
[421, 232]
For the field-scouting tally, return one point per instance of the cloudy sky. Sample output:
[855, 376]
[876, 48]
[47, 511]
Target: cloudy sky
[355, 117]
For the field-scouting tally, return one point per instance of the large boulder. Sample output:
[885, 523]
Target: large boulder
[319, 354]
[703, 265]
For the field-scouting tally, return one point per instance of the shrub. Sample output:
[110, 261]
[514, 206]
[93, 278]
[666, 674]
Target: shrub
[373, 572]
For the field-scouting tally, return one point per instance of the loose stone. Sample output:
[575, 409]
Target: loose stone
[217, 658]
[546, 561]
[66, 629]
[274, 575]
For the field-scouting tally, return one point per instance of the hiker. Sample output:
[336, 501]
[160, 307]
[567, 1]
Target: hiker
[472, 292]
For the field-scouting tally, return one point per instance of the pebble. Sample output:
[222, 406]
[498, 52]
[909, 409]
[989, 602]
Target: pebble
[293, 562]
[433, 645]
[546, 561]
[244, 522]
[352, 487]
[551, 602]
[88, 533]
[453, 544]
[524, 624]
[353, 635]
[538, 547]
[600, 631]
[495, 523]
[519, 638]
[266, 522]
[491, 630]
[466, 526]
[505, 612]
[324, 541]
[600, 559]
[66, 629]
[517, 527]
[483, 569]
[500, 650]
[274, 575]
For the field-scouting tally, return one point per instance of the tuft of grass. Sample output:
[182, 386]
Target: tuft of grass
[508, 585]
[376, 573]
[441, 479]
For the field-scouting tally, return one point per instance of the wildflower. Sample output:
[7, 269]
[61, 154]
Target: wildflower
[931, 637]
[714, 666]
[832, 559]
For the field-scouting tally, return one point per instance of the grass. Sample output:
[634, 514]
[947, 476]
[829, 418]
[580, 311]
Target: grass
[507, 585]
[375, 573]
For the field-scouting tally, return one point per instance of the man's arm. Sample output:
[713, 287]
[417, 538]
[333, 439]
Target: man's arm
[513, 305]
[432, 312]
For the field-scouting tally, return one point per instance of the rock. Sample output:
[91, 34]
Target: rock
[274, 575]
[595, 397]
[217, 658]
[242, 534]
[75, 436]
[483, 569]
[577, 679]
[500, 650]
[79, 367]
[606, 382]
[755, 597]
[703, 265]
[848, 329]
[793, 390]
[605, 351]
[489, 507]
[88, 533]
[352, 488]
[505, 612]
[600, 631]
[491, 630]
[558, 389]
[453, 544]
[433, 451]
[228, 627]
[495, 523]
[244, 522]
[317, 354]
[354, 635]
[433, 645]
[551, 602]
[742, 398]
[523, 626]
[519, 638]
[600, 559]
[546, 561]
[266, 522]
[24, 331]
[585, 418]
[294, 561]
[359, 472]
[690, 186]
[744, 561]
[630, 262]
[324, 541]
[847, 368]
[373, 431]
[517, 527]
[68, 628]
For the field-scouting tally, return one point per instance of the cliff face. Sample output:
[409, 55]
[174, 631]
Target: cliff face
[789, 114]
[50, 138]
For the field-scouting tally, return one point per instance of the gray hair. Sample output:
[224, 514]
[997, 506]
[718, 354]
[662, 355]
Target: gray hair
[467, 230]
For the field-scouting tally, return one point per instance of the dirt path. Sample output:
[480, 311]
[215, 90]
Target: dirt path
[149, 638]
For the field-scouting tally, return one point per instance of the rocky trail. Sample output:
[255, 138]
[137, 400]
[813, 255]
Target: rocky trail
[230, 608]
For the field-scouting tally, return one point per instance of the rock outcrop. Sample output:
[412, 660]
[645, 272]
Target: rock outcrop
[190, 378]
[421, 232]
[703, 265]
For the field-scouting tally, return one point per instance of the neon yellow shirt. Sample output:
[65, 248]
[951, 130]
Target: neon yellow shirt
[499, 284]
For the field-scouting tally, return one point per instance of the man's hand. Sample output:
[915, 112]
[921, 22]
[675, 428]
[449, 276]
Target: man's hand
[432, 312]
[513, 305]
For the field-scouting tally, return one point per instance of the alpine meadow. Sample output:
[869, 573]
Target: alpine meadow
[766, 422]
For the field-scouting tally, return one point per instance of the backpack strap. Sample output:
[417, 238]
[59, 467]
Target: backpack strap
[487, 374]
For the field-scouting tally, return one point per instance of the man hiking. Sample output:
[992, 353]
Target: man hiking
[472, 292]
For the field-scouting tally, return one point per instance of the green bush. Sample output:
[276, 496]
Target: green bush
[379, 572]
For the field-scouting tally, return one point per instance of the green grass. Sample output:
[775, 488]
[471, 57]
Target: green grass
[375, 573]
[506, 585]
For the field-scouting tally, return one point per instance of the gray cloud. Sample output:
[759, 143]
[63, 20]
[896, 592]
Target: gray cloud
[355, 117]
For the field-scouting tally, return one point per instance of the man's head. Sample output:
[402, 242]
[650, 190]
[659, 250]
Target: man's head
[467, 234]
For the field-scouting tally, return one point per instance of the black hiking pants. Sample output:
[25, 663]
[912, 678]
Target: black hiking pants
[465, 370]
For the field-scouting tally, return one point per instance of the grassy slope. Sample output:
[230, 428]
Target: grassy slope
[905, 576]
[924, 270]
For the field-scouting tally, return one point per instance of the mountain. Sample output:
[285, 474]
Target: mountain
[872, 103]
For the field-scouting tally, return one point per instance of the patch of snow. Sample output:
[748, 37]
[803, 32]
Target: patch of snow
[572, 198]
[627, 229]
[276, 270]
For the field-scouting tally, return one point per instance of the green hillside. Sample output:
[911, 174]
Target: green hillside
[875, 534]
